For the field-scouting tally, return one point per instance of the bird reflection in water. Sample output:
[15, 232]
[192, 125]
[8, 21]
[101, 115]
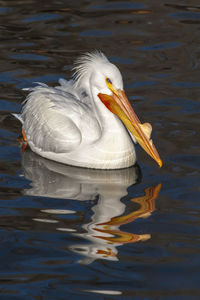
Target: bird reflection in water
[51, 179]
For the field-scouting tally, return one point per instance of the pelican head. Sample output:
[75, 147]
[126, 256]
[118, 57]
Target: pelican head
[94, 71]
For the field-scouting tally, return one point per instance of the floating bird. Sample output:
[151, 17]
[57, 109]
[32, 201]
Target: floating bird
[87, 121]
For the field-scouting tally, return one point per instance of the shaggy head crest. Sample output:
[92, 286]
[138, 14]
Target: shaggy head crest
[86, 63]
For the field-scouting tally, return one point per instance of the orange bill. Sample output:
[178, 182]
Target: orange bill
[118, 104]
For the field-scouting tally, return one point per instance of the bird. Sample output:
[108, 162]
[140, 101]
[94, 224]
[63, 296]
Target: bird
[86, 121]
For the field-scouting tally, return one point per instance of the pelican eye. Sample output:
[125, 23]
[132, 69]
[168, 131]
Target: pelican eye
[110, 86]
[108, 80]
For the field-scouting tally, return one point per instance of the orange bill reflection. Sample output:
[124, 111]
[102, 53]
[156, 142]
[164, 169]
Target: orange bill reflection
[111, 228]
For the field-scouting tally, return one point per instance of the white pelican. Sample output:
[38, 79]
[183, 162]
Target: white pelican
[81, 121]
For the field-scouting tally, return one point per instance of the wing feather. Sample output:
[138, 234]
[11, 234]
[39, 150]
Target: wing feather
[48, 116]
[58, 119]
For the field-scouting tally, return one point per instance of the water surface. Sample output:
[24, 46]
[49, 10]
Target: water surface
[70, 233]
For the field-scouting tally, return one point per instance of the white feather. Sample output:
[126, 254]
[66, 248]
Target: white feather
[18, 116]
[69, 124]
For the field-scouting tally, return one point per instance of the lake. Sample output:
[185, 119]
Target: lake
[75, 233]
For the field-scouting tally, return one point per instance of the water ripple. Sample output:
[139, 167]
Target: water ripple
[88, 234]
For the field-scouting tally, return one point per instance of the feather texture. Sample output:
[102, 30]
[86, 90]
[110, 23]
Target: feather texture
[69, 124]
[52, 118]
[85, 65]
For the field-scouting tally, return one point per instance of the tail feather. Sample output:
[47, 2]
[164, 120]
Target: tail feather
[18, 116]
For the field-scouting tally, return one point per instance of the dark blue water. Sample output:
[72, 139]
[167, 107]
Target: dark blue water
[70, 233]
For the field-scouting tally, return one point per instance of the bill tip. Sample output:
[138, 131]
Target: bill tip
[160, 163]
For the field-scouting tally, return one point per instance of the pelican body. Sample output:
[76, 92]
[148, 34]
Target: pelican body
[86, 122]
